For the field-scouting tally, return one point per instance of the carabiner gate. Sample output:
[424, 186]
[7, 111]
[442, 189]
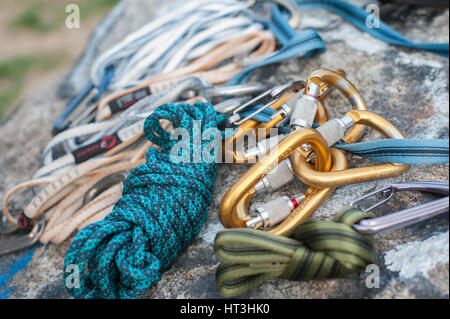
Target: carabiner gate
[403, 217]
[273, 93]
[211, 92]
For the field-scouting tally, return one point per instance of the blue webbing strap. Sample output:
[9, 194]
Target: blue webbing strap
[357, 16]
[104, 83]
[304, 44]
[58, 124]
[404, 151]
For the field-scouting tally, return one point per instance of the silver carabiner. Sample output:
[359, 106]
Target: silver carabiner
[272, 93]
[22, 239]
[234, 90]
[211, 92]
[289, 5]
[14, 238]
[6, 228]
[407, 216]
[103, 185]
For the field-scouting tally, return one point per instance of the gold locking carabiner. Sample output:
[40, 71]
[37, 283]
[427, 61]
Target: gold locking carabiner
[313, 198]
[243, 190]
[337, 80]
[321, 179]
[326, 80]
[252, 128]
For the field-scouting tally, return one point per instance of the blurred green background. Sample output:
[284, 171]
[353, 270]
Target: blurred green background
[36, 46]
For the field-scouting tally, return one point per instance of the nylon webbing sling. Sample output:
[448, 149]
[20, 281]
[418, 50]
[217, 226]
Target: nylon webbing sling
[405, 151]
[149, 50]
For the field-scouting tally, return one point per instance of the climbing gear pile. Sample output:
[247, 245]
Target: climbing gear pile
[288, 157]
[170, 47]
[316, 249]
[109, 172]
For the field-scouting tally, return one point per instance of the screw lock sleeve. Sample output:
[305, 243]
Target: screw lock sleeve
[279, 176]
[262, 147]
[304, 112]
[274, 212]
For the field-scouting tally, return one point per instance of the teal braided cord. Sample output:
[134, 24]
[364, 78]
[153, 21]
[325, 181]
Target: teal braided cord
[162, 209]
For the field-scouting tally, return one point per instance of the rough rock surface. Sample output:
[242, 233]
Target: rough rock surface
[408, 87]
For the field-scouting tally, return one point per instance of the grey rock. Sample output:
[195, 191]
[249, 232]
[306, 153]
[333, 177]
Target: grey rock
[408, 87]
[76, 79]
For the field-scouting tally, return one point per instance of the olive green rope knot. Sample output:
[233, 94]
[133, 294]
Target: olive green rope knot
[316, 250]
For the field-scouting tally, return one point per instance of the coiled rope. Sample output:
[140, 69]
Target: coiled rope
[162, 209]
[317, 250]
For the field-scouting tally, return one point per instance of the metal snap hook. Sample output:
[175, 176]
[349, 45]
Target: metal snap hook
[22, 239]
[403, 217]
[273, 94]
[300, 206]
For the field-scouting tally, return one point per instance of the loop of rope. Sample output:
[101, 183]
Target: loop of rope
[162, 209]
[317, 250]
